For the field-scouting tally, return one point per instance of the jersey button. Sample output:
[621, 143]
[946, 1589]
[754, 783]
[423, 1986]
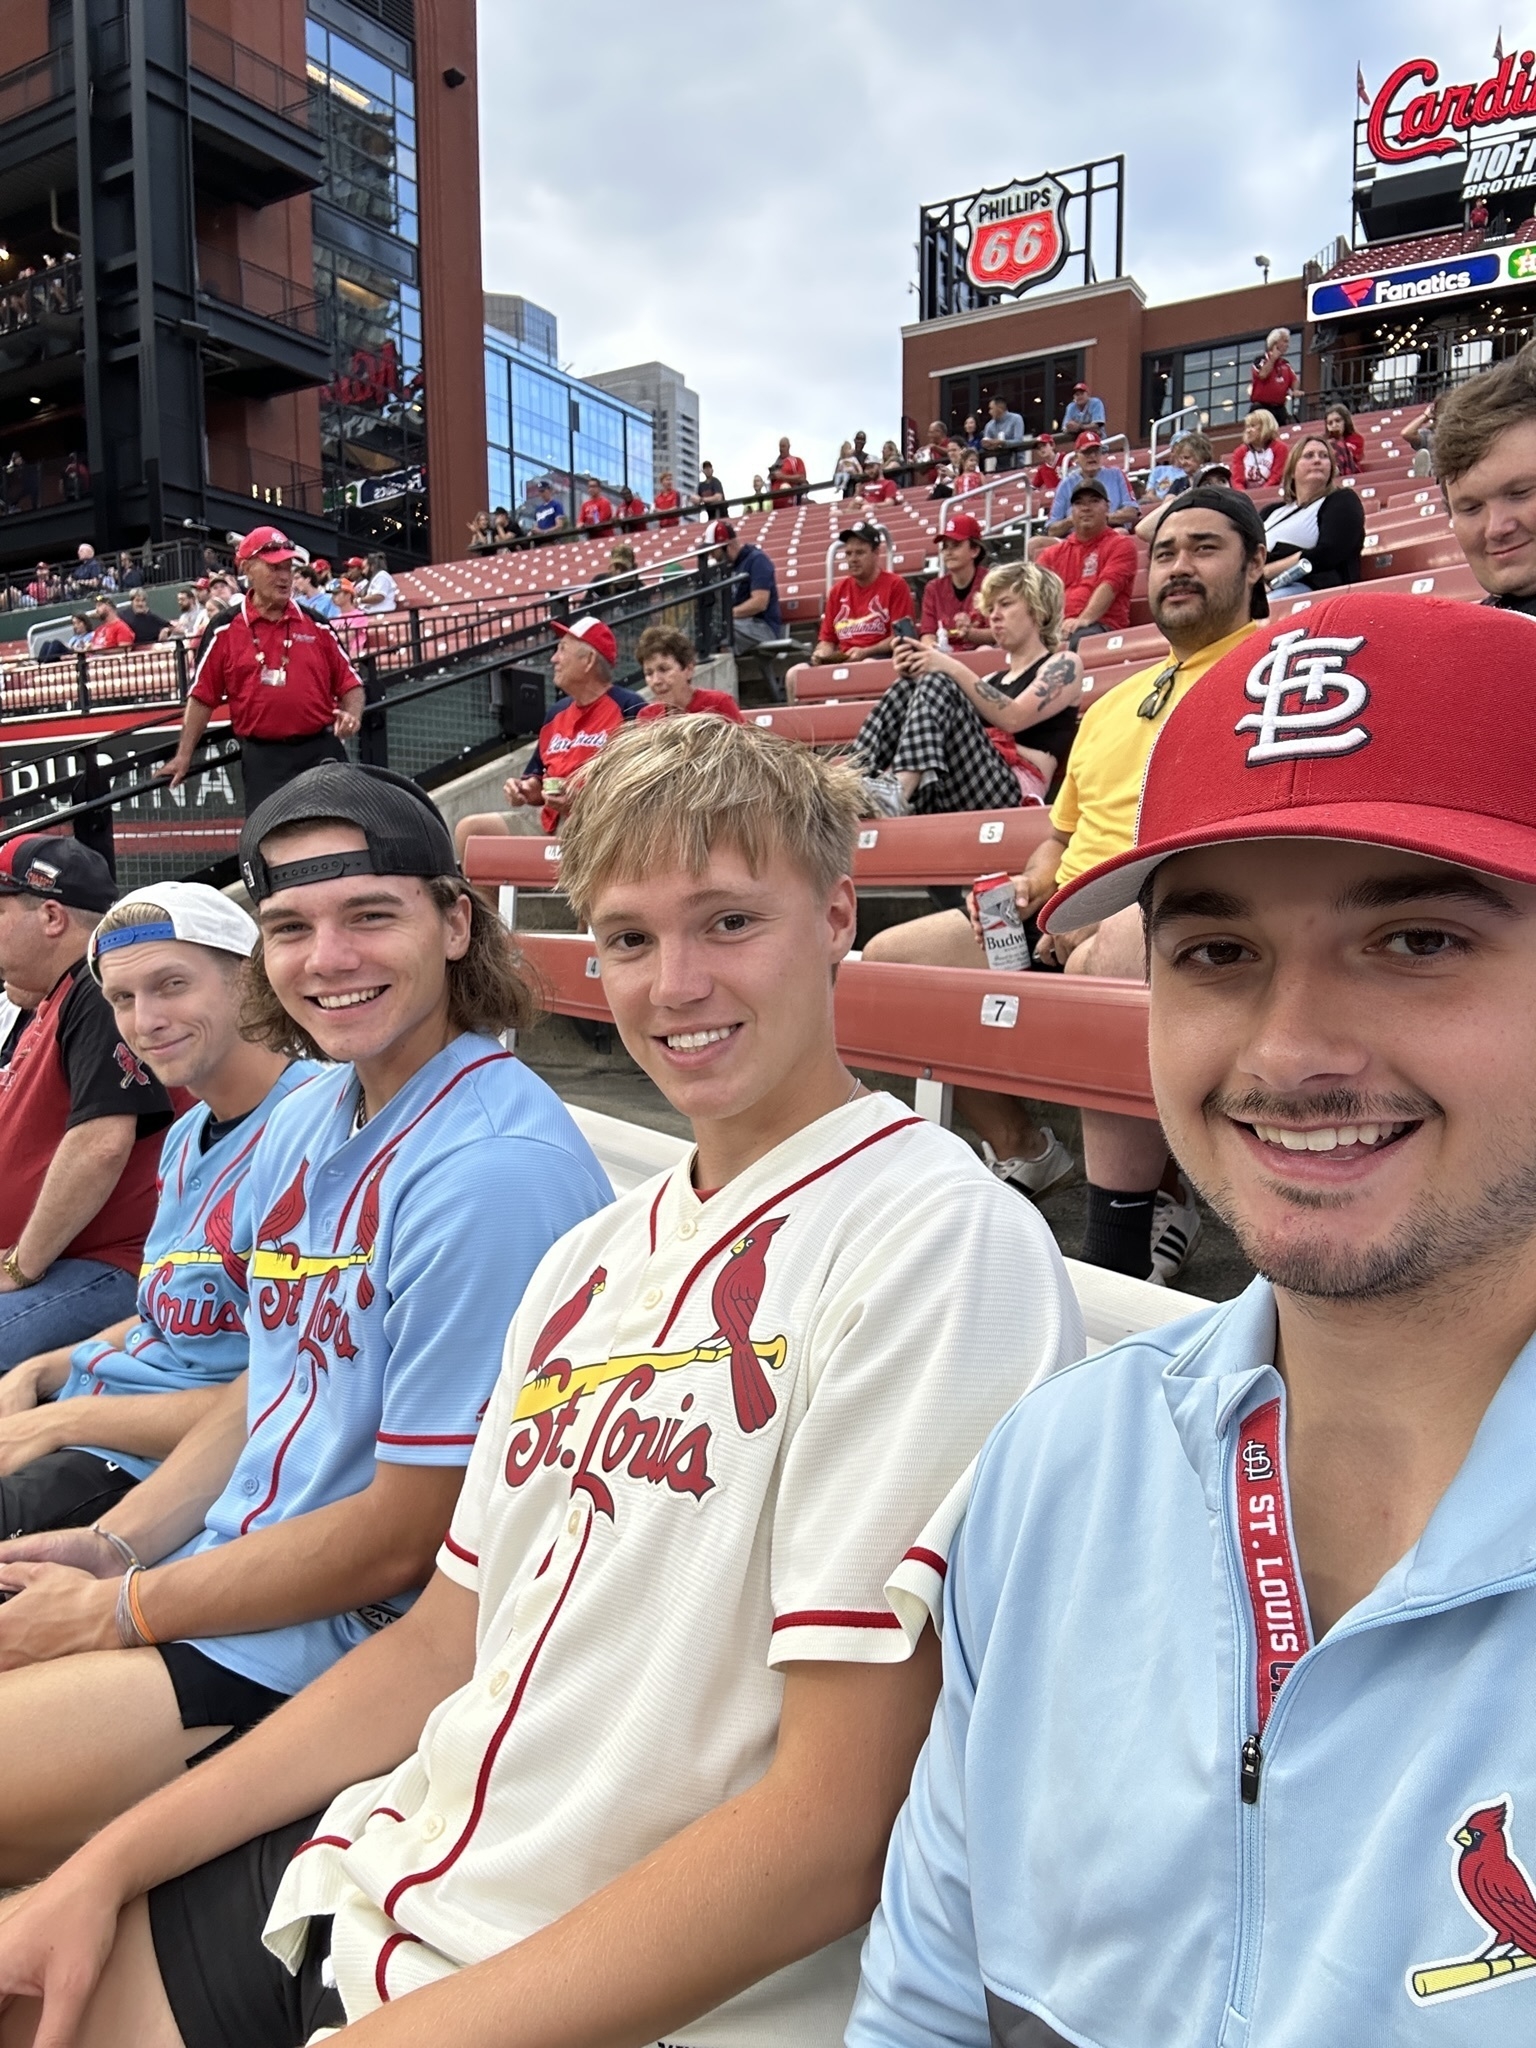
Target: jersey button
[651, 1298]
[573, 1521]
[432, 1826]
[498, 1682]
[250, 1485]
[688, 1228]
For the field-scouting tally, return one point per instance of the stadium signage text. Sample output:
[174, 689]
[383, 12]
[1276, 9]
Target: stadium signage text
[1480, 270]
[1508, 166]
[1018, 234]
[1431, 123]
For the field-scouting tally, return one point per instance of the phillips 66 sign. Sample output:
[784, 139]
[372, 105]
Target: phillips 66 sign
[1018, 234]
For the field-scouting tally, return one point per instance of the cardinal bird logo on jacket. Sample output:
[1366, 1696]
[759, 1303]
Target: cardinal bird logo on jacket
[542, 1363]
[738, 1290]
[1496, 1890]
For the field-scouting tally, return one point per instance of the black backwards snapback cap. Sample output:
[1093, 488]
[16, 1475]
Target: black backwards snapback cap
[405, 831]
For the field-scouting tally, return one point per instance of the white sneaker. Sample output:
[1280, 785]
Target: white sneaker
[1176, 1228]
[1034, 1176]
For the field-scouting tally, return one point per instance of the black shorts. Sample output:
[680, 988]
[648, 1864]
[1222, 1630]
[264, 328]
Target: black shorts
[225, 1989]
[209, 1695]
[64, 1490]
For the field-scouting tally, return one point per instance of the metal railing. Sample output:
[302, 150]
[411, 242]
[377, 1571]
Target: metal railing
[234, 281]
[432, 720]
[246, 72]
[26, 302]
[1185, 420]
[35, 84]
[55, 583]
[35, 485]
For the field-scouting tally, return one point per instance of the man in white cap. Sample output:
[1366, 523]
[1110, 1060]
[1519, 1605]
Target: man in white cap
[293, 696]
[171, 962]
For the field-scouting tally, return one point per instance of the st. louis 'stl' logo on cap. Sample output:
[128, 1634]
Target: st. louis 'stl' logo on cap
[1496, 1890]
[1311, 700]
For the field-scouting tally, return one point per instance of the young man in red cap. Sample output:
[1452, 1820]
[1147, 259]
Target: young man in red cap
[588, 711]
[952, 601]
[293, 695]
[1234, 1741]
[862, 607]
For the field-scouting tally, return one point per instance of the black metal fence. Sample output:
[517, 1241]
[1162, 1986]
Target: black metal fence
[467, 698]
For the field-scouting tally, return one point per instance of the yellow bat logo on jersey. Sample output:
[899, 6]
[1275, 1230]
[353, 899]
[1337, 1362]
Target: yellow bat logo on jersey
[550, 1387]
[292, 1265]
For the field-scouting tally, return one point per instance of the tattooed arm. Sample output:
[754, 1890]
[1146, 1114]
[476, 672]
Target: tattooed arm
[1058, 686]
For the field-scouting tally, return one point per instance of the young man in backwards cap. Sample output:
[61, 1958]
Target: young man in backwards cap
[395, 1207]
[171, 961]
[630, 1764]
[1235, 1737]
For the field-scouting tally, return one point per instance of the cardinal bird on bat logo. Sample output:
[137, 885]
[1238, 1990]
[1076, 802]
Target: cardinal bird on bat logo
[737, 1292]
[1496, 1890]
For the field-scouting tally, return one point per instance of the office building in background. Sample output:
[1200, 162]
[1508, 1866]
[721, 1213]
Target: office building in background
[662, 392]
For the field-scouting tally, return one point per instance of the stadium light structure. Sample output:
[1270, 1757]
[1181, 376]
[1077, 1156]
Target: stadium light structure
[1262, 263]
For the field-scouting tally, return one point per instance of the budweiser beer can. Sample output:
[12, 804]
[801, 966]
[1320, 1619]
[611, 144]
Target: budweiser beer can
[1002, 928]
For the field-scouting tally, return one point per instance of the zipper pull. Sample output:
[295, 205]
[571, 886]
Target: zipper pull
[1248, 1773]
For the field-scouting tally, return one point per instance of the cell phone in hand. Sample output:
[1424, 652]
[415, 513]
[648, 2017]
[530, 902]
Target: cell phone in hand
[904, 629]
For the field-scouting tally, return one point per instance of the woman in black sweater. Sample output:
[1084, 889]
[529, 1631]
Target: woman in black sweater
[1315, 534]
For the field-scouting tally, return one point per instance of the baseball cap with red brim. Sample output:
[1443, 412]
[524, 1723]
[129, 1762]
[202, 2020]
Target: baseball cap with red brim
[269, 542]
[1088, 439]
[67, 870]
[592, 633]
[1323, 726]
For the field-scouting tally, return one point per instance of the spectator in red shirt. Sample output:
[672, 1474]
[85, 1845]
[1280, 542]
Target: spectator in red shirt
[968, 476]
[952, 601]
[863, 606]
[586, 712]
[632, 505]
[1258, 460]
[1272, 380]
[936, 453]
[1045, 476]
[1348, 446]
[596, 513]
[666, 499]
[667, 659]
[1097, 565]
[293, 695]
[880, 489]
[111, 631]
[786, 475]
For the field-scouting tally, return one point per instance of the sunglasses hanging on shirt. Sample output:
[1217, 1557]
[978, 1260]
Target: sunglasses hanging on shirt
[1156, 699]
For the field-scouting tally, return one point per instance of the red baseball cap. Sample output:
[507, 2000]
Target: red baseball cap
[717, 533]
[1079, 387]
[1321, 727]
[592, 633]
[267, 541]
[1088, 439]
[961, 526]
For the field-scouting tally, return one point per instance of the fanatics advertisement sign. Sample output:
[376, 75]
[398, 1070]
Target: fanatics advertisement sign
[1419, 284]
[1018, 234]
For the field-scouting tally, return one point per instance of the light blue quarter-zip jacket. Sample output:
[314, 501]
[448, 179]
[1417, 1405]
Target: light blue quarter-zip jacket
[1088, 1857]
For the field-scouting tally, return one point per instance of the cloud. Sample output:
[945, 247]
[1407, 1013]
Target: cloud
[736, 193]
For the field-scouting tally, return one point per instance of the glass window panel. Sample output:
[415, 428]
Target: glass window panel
[407, 229]
[405, 162]
[360, 68]
[405, 95]
[405, 130]
[499, 478]
[314, 41]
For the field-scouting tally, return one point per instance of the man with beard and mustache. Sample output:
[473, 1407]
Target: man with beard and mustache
[1205, 586]
[1238, 1627]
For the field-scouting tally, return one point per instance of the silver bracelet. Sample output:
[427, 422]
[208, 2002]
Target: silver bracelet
[124, 1549]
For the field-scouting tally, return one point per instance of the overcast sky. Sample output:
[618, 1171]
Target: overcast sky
[735, 192]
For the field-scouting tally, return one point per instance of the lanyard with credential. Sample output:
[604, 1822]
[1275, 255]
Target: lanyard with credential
[273, 677]
[1282, 1633]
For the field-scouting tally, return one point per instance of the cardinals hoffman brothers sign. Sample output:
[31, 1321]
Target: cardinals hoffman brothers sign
[1413, 116]
[1018, 234]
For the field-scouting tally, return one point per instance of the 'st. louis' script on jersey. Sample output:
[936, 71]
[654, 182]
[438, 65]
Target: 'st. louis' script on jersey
[281, 1274]
[1310, 699]
[558, 1397]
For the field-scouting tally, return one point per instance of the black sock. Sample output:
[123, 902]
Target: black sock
[1119, 1230]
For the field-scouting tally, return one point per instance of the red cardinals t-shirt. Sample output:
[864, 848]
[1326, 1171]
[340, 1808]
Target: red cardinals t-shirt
[943, 605]
[862, 614]
[667, 501]
[595, 513]
[1084, 565]
[715, 701]
[1253, 469]
[880, 490]
[791, 470]
[577, 734]
[1045, 476]
[113, 633]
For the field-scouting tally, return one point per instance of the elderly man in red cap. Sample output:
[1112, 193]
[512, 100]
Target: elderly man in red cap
[588, 711]
[293, 696]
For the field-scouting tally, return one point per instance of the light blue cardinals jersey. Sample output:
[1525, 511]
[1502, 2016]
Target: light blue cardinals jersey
[191, 1327]
[1100, 1848]
[385, 1267]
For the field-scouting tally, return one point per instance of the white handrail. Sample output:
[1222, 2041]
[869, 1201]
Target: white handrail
[1169, 420]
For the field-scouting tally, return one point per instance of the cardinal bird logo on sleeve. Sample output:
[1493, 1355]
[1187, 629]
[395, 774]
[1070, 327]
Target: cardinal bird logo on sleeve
[1496, 1890]
[738, 1290]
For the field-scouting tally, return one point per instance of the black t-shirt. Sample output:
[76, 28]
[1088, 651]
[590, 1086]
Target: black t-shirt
[1513, 603]
[146, 626]
[105, 1077]
[214, 1132]
[8, 1043]
[1053, 735]
[710, 488]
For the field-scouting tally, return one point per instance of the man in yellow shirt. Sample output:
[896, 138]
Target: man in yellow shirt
[1205, 587]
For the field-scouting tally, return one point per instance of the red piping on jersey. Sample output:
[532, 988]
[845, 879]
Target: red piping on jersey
[493, 1748]
[267, 1413]
[382, 1965]
[931, 1558]
[459, 1551]
[323, 1842]
[392, 1144]
[390, 1436]
[655, 1212]
[224, 1172]
[282, 1451]
[762, 1208]
[835, 1617]
[388, 1813]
